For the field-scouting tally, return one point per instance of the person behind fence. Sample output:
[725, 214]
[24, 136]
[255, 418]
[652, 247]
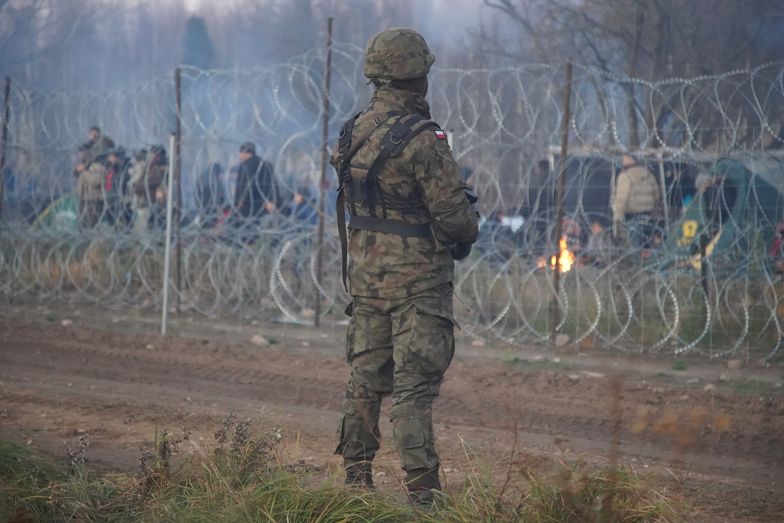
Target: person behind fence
[158, 169]
[211, 196]
[146, 176]
[256, 193]
[97, 144]
[135, 175]
[636, 198]
[116, 186]
[301, 208]
[598, 249]
[776, 249]
[410, 214]
[90, 191]
[80, 160]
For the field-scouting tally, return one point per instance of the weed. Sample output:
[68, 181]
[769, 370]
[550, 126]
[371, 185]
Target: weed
[679, 365]
[76, 459]
[155, 463]
[243, 480]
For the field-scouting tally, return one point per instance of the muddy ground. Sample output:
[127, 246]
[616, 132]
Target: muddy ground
[710, 435]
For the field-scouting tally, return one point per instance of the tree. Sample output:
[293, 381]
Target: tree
[198, 50]
[32, 29]
[649, 39]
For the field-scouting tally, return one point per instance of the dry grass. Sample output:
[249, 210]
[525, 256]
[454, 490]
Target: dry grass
[242, 478]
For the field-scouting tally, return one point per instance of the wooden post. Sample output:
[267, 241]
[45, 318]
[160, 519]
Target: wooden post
[178, 180]
[323, 184]
[560, 195]
[4, 140]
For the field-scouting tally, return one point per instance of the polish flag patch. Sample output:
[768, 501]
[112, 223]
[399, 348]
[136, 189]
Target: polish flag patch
[440, 134]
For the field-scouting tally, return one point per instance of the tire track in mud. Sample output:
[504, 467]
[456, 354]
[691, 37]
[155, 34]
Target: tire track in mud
[221, 375]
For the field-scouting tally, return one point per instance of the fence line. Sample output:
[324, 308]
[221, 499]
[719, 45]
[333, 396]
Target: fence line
[663, 294]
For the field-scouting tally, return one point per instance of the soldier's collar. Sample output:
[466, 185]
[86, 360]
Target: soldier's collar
[402, 99]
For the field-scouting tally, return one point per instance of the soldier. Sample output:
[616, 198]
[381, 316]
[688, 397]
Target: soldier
[410, 216]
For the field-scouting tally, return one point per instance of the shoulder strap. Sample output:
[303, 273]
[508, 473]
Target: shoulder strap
[393, 143]
[347, 150]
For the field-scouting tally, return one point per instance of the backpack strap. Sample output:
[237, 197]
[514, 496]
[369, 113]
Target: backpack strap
[392, 144]
[346, 151]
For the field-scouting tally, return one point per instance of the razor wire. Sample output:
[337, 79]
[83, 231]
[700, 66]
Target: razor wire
[649, 296]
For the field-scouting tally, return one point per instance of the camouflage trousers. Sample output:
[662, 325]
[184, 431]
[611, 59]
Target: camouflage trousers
[403, 348]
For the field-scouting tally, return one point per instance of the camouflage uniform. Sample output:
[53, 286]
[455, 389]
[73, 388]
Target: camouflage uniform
[400, 336]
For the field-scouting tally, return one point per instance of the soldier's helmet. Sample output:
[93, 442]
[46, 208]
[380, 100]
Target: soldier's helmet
[397, 54]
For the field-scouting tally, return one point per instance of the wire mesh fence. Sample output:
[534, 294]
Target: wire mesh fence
[699, 274]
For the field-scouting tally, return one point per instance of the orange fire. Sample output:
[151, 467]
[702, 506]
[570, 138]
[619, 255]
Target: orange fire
[565, 260]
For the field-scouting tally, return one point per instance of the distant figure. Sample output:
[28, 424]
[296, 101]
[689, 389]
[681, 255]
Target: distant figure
[211, 196]
[636, 197]
[80, 160]
[96, 145]
[256, 194]
[776, 249]
[116, 186]
[255, 184]
[598, 250]
[301, 209]
[146, 178]
[91, 196]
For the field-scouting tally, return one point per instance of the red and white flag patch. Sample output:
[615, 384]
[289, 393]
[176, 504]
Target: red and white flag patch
[440, 134]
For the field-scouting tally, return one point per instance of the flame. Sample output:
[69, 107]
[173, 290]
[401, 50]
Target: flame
[565, 260]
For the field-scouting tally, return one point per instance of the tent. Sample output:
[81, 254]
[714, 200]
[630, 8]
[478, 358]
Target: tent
[62, 215]
[742, 201]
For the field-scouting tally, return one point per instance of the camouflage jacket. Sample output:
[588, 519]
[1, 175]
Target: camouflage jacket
[425, 175]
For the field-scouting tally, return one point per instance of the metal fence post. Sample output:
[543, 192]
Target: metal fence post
[322, 185]
[560, 195]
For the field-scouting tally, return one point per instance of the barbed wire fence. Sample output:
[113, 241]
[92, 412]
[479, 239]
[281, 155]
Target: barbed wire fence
[699, 284]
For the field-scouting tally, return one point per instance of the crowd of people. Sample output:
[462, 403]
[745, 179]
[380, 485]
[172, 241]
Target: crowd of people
[129, 191]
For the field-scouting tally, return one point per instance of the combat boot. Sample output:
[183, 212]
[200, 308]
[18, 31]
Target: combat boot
[359, 474]
[422, 485]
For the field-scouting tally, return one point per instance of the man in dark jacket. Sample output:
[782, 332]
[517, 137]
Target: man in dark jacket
[256, 194]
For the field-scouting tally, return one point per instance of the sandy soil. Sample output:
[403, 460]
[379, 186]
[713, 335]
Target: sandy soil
[711, 435]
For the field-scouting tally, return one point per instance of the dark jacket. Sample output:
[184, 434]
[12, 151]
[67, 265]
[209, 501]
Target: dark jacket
[255, 186]
[116, 184]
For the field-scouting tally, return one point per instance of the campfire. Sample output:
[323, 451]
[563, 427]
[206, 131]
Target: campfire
[564, 260]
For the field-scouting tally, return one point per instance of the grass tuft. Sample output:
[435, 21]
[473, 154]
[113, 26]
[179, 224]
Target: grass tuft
[242, 479]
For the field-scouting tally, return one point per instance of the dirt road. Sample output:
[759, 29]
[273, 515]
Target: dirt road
[718, 441]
